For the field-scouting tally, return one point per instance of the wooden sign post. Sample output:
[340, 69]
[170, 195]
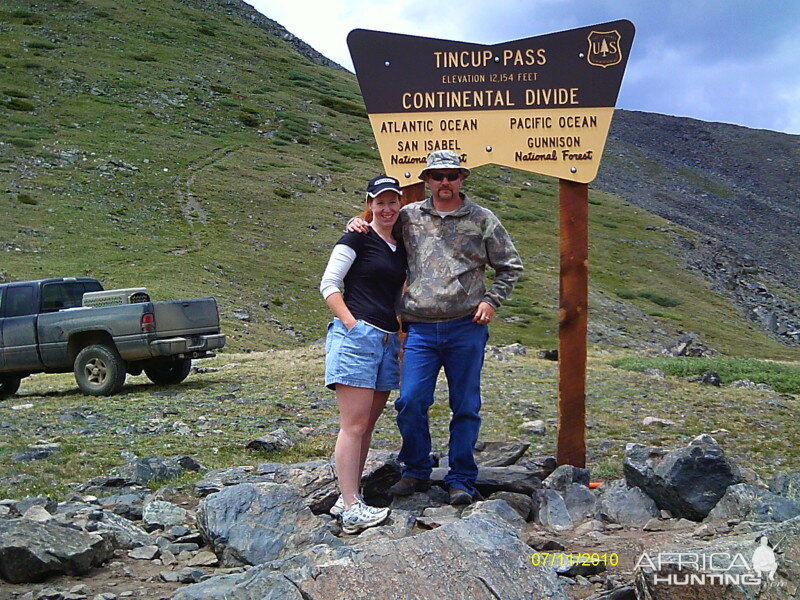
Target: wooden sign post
[542, 104]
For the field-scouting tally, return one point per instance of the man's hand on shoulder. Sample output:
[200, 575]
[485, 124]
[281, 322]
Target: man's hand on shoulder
[358, 225]
[484, 314]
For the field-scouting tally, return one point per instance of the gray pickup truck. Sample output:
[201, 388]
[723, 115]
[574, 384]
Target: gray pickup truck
[71, 324]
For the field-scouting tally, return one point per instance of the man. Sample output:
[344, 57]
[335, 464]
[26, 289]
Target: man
[446, 308]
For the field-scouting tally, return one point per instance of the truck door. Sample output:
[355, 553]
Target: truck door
[19, 328]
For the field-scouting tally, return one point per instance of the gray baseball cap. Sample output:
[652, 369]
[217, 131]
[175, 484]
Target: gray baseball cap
[443, 159]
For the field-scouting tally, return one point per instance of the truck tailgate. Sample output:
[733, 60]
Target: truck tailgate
[186, 317]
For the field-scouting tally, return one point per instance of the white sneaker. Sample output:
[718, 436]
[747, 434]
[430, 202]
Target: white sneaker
[360, 516]
[338, 508]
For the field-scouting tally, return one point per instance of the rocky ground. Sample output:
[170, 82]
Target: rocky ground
[245, 532]
[166, 524]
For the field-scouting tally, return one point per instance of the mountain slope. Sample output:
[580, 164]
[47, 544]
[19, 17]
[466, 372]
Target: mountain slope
[183, 146]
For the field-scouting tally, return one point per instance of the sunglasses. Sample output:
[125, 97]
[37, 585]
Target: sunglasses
[448, 176]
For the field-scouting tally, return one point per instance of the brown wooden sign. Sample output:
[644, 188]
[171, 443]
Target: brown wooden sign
[541, 104]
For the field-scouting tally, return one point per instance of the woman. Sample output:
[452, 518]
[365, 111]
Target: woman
[363, 343]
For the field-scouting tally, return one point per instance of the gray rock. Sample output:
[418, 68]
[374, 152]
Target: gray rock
[20, 507]
[499, 454]
[37, 513]
[164, 514]
[436, 517]
[552, 511]
[786, 485]
[419, 501]
[122, 533]
[580, 501]
[688, 481]
[498, 507]
[144, 470]
[743, 502]
[774, 578]
[520, 502]
[218, 479]
[513, 478]
[257, 523]
[627, 506]
[400, 524]
[566, 475]
[32, 551]
[37, 452]
[145, 552]
[541, 466]
[273, 441]
[421, 566]
[126, 505]
[190, 575]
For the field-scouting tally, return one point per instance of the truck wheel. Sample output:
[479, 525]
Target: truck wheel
[99, 370]
[167, 373]
[9, 386]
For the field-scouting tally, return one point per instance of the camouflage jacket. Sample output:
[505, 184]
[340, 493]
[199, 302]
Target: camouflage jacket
[447, 259]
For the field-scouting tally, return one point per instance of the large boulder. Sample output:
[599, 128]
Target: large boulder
[253, 523]
[31, 551]
[743, 502]
[479, 557]
[688, 481]
[552, 511]
[740, 567]
[566, 475]
[499, 454]
[627, 506]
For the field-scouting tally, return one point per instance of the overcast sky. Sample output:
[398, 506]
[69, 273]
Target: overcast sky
[716, 60]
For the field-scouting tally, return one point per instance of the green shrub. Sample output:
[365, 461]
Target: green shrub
[16, 93]
[21, 14]
[625, 294]
[282, 192]
[249, 120]
[31, 64]
[41, 45]
[21, 142]
[206, 31]
[344, 106]
[18, 104]
[656, 298]
[220, 89]
[34, 20]
[145, 58]
[27, 199]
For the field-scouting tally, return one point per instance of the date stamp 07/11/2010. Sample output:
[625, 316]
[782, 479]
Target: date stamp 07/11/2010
[559, 559]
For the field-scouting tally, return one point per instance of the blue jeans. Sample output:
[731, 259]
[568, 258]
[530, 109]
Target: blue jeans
[458, 346]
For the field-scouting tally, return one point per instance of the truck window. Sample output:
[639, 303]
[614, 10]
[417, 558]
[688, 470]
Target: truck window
[69, 294]
[20, 301]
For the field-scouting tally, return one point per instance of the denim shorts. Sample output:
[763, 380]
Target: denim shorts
[362, 357]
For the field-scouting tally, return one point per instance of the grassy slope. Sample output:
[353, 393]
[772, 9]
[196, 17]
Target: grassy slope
[274, 150]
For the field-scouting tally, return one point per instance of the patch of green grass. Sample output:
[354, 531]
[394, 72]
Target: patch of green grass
[27, 199]
[784, 378]
[144, 57]
[282, 192]
[659, 299]
[220, 89]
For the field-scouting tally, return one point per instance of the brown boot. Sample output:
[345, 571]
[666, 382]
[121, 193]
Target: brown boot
[408, 485]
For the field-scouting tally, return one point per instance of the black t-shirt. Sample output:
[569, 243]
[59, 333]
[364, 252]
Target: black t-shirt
[373, 282]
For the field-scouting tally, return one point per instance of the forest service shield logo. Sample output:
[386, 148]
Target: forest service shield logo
[604, 48]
